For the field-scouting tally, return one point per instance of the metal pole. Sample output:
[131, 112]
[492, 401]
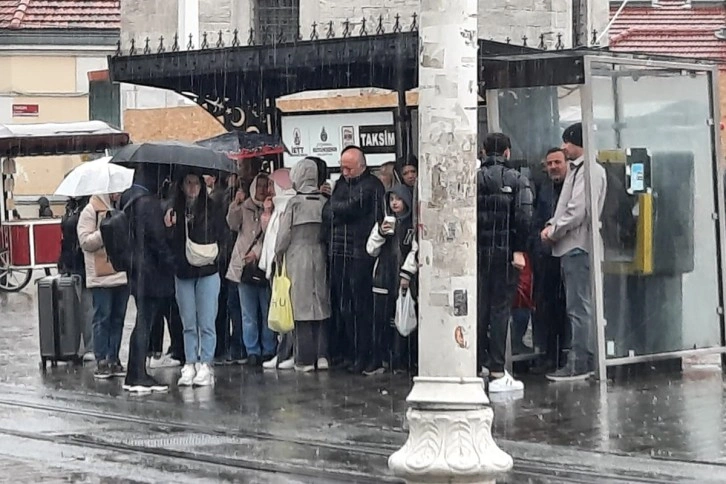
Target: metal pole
[449, 417]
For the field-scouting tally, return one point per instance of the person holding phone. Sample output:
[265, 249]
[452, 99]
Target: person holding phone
[197, 234]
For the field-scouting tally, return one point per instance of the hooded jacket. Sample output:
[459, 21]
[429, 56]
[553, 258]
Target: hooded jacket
[396, 255]
[299, 243]
[44, 210]
[245, 219]
[353, 209]
[99, 271]
[279, 202]
[504, 209]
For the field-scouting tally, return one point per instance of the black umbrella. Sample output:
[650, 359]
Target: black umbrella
[174, 153]
[240, 145]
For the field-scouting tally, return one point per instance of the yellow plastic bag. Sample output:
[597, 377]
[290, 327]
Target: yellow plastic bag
[280, 318]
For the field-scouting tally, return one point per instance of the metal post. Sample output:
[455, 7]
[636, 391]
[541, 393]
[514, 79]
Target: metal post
[597, 253]
[449, 417]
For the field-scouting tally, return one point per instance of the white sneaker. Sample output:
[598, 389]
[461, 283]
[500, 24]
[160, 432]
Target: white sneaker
[323, 364]
[89, 356]
[205, 376]
[163, 361]
[187, 376]
[270, 365]
[287, 364]
[505, 384]
[305, 369]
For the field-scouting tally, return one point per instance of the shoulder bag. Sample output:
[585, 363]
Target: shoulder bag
[199, 255]
[251, 273]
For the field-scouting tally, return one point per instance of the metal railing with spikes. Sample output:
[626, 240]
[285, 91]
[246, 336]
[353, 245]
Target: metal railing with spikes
[317, 33]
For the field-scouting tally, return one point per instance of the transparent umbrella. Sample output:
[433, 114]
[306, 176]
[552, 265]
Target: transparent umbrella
[95, 178]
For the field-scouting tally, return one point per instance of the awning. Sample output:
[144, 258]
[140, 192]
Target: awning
[59, 138]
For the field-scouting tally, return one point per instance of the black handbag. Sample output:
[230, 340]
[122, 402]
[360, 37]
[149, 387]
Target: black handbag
[251, 273]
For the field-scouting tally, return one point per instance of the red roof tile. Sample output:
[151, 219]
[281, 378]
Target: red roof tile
[60, 14]
[671, 28]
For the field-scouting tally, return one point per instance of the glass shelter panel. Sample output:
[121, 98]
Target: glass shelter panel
[534, 119]
[660, 272]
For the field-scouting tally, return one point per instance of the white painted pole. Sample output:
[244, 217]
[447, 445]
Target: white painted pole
[188, 22]
[449, 416]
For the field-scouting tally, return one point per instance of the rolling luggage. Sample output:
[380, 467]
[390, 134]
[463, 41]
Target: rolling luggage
[60, 318]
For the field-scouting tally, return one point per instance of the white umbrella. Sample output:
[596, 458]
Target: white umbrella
[96, 177]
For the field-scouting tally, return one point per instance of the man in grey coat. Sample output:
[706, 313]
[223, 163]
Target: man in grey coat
[570, 236]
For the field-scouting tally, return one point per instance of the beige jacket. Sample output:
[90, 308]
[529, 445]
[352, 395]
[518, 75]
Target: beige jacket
[570, 226]
[245, 219]
[99, 271]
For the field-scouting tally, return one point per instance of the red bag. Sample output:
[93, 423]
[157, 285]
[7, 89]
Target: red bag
[525, 297]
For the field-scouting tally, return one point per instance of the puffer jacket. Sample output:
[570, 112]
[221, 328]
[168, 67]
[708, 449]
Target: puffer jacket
[355, 206]
[396, 255]
[99, 271]
[245, 219]
[504, 209]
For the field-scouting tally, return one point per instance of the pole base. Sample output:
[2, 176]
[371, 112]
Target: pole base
[450, 446]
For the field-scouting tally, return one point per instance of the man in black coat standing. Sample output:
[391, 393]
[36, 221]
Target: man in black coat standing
[151, 278]
[355, 206]
[504, 217]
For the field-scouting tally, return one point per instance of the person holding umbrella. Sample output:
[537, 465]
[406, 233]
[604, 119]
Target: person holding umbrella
[197, 233]
[151, 272]
[108, 285]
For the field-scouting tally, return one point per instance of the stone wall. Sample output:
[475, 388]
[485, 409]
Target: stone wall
[498, 19]
[142, 18]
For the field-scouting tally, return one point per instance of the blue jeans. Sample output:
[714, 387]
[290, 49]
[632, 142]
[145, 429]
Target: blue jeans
[258, 338]
[234, 308]
[198, 301]
[109, 312]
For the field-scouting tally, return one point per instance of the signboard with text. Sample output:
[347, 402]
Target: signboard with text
[325, 136]
[25, 110]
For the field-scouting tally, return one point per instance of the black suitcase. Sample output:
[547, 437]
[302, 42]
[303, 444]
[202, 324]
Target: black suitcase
[60, 318]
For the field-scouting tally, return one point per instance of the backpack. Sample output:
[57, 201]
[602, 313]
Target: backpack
[71, 256]
[117, 236]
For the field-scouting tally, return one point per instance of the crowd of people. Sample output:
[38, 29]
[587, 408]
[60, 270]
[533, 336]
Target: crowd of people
[203, 250]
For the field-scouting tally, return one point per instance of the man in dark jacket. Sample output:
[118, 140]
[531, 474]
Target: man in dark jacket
[355, 206]
[504, 208]
[151, 275]
[550, 325]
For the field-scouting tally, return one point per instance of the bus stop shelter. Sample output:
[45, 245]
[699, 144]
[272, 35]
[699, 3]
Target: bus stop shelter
[652, 122]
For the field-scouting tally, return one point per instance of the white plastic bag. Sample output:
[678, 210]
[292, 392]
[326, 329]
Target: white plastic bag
[406, 318]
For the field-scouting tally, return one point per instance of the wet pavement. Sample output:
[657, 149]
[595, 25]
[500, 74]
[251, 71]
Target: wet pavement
[253, 426]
